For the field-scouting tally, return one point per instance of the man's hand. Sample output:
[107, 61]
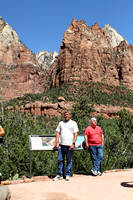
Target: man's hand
[72, 147]
[87, 147]
[86, 142]
[57, 146]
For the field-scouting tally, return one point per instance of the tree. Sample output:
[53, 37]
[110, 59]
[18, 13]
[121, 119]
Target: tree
[81, 113]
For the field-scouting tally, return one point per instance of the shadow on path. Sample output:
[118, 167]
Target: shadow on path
[127, 184]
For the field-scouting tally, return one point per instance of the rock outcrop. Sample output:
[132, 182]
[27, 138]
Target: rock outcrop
[46, 59]
[87, 53]
[124, 63]
[20, 71]
[48, 108]
[115, 38]
[57, 109]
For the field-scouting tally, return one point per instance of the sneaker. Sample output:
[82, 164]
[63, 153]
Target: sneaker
[94, 172]
[99, 173]
[58, 177]
[67, 178]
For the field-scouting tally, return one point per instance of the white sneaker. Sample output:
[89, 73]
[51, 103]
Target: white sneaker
[67, 178]
[58, 177]
[94, 172]
[99, 173]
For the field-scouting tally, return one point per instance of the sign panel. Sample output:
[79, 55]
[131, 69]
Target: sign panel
[44, 143]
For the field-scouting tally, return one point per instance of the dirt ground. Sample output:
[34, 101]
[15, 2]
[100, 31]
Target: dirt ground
[112, 185]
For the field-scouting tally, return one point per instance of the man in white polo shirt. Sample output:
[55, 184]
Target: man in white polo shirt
[66, 136]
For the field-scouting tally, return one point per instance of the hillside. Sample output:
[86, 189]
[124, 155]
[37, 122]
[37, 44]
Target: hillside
[106, 100]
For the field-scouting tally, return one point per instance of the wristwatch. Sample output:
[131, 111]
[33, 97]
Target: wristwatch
[74, 143]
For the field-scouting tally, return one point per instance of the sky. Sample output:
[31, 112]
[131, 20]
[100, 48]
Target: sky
[40, 24]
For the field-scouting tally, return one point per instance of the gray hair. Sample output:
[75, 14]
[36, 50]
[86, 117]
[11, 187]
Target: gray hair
[93, 118]
[67, 111]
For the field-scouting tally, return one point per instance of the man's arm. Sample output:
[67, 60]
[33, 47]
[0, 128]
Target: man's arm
[57, 140]
[86, 142]
[2, 132]
[74, 140]
[102, 140]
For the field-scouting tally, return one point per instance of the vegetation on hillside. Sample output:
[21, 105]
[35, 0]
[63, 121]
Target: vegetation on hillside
[97, 93]
[118, 150]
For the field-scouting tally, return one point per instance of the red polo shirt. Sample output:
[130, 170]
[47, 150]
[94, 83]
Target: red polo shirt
[94, 135]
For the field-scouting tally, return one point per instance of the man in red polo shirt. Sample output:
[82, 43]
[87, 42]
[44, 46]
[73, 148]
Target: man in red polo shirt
[94, 140]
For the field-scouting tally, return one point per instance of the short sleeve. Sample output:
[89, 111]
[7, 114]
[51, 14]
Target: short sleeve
[76, 128]
[58, 128]
[86, 131]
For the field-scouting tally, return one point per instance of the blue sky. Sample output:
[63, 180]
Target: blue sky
[41, 24]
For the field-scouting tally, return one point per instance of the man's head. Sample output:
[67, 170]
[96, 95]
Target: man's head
[67, 115]
[93, 122]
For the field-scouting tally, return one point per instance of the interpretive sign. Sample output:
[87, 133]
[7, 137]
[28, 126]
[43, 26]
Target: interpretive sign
[48, 143]
[44, 143]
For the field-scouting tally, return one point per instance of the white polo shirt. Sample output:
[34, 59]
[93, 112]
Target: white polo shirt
[67, 130]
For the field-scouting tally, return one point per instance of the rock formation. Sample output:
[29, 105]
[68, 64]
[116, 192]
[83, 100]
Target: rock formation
[115, 38]
[49, 108]
[46, 59]
[20, 72]
[124, 63]
[87, 53]
[57, 109]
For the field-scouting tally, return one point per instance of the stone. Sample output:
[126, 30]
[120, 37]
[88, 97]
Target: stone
[61, 99]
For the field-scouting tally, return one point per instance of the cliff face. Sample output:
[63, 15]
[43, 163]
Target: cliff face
[124, 63]
[20, 72]
[87, 54]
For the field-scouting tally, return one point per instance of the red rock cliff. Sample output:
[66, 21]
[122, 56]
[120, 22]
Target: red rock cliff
[20, 72]
[86, 54]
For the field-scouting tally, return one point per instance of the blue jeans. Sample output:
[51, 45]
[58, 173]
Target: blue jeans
[96, 153]
[64, 150]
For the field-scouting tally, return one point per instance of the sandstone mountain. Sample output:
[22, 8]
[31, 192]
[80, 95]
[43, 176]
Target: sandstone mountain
[87, 53]
[20, 71]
